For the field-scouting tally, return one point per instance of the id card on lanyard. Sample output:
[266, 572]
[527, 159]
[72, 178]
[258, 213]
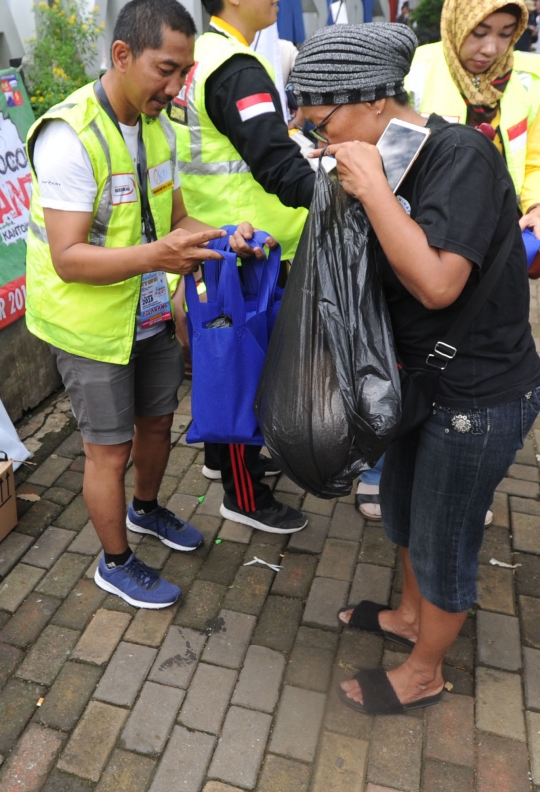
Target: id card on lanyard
[154, 304]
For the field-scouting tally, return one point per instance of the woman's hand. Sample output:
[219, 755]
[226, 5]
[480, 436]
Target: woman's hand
[239, 245]
[359, 166]
[531, 220]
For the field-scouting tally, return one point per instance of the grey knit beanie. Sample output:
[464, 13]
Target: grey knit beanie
[345, 64]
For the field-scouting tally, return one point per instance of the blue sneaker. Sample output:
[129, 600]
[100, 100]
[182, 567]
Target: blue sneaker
[166, 526]
[136, 583]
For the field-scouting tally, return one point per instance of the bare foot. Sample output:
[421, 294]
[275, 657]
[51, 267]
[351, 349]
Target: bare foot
[409, 684]
[393, 621]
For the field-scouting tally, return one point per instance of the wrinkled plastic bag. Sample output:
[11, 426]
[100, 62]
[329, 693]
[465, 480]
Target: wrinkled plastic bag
[10, 443]
[329, 399]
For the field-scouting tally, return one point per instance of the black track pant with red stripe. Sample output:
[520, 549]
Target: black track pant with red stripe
[241, 474]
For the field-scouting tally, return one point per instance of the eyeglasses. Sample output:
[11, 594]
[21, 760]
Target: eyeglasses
[323, 123]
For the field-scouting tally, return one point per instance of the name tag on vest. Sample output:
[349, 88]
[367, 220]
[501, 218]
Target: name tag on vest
[178, 112]
[161, 177]
[123, 189]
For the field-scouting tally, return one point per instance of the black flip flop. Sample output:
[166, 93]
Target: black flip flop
[365, 616]
[380, 697]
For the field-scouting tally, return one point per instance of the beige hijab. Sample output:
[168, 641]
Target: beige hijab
[459, 18]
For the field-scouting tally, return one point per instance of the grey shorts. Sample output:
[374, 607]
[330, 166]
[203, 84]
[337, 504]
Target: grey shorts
[106, 397]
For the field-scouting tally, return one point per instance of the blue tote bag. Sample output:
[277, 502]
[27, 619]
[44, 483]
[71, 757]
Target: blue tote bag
[252, 280]
[228, 355]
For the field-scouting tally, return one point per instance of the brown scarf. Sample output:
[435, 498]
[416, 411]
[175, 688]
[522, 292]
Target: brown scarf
[459, 18]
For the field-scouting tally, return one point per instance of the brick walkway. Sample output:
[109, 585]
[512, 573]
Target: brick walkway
[235, 687]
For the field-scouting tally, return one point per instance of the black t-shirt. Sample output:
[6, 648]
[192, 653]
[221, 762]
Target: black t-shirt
[262, 141]
[461, 194]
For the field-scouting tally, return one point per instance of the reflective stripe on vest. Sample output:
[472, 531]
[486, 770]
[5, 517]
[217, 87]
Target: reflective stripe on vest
[197, 167]
[102, 217]
[38, 231]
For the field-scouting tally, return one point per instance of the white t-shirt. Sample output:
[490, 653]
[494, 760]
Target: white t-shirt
[66, 178]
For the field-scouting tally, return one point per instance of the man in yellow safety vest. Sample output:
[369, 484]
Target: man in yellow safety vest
[107, 222]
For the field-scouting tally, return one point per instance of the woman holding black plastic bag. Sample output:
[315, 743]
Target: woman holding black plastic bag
[437, 238]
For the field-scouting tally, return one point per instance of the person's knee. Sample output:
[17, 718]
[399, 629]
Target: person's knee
[154, 425]
[111, 459]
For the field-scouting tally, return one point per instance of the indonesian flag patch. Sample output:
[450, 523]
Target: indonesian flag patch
[255, 105]
[517, 135]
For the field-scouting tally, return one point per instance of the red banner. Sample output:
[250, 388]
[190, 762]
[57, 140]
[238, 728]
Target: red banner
[12, 301]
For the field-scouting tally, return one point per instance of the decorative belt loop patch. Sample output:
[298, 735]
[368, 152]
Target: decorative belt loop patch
[461, 423]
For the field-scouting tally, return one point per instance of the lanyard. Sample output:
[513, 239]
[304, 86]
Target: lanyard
[146, 212]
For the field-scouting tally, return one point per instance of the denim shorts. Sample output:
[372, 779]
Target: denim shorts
[106, 397]
[437, 485]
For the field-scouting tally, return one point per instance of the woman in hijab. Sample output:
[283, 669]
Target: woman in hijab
[474, 77]
[436, 239]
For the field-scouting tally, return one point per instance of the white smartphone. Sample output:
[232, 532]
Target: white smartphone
[399, 145]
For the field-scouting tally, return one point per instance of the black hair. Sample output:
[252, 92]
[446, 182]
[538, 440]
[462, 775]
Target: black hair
[401, 99]
[511, 8]
[140, 23]
[213, 6]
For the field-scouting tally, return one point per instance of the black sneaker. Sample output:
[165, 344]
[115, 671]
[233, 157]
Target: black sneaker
[276, 518]
[268, 464]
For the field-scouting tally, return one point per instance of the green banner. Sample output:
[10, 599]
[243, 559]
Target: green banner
[16, 118]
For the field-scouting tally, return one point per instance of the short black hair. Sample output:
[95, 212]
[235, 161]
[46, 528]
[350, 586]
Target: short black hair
[140, 23]
[213, 7]
[402, 99]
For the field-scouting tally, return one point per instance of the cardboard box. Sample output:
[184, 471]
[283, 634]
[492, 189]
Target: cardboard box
[8, 500]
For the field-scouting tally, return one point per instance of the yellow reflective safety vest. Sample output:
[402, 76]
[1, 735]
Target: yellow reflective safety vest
[432, 90]
[217, 185]
[97, 322]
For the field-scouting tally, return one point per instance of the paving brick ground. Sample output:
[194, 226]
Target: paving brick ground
[234, 688]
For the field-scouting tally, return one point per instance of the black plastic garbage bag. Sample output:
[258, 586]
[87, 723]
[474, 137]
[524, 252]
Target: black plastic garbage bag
[328, 400]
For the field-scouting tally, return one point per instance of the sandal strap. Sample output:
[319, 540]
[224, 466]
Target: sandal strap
[367, 499]
[365, 616]
[377, 693]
